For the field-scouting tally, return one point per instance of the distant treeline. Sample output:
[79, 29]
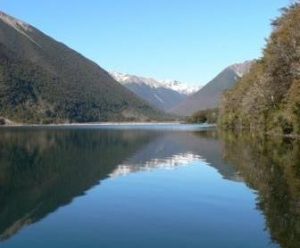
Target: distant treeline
[204, 116]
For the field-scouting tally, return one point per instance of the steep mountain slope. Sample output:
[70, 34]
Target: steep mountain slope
[161, 94]
[209, 96]
[268, 98]
[42, 80]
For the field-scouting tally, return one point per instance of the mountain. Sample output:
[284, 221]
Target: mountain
[44, 81]
[209, 96]
[161, 94]
[268, 98]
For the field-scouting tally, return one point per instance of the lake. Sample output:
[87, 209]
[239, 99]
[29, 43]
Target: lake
[147, 186]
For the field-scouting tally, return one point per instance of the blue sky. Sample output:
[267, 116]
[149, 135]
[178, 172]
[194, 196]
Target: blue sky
[187, 40]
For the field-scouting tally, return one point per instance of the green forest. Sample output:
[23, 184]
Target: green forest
[267, 99]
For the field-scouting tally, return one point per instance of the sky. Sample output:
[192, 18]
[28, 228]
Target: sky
[186, 40]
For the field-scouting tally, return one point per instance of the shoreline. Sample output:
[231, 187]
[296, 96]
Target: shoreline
[91, 124]
[102, 124]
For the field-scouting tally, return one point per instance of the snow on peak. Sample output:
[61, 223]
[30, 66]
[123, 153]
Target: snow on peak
[127, 78]
[180, 87]
[153, 83]
[242, 68]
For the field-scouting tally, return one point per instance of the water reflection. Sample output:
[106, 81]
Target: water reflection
[271, 166]
[42, 170]
[173, 162]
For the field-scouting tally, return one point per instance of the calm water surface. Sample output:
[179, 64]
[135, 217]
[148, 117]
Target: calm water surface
[147, 186]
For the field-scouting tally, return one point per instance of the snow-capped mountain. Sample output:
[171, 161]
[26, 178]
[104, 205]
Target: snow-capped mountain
[179, 86]
[163, 94]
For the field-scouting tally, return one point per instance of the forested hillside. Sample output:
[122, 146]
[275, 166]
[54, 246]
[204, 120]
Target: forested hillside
[44, 81]
[268, 98]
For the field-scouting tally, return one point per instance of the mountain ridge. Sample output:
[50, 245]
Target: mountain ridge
[162, 94]
[209, 96]
[44, 81]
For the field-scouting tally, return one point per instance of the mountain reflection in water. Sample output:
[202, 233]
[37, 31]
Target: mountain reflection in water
[43, 170]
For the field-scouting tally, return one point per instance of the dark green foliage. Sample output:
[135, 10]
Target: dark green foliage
[268, 98]
[2, 121]
[285, 125]
[204, 116]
